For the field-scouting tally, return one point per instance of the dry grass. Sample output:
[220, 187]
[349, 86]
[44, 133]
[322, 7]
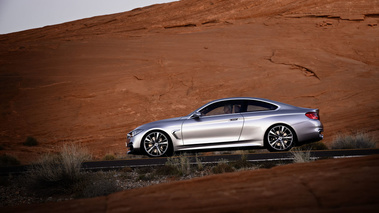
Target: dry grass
[357, 141]
[301, 156]
[199, 164]
[178, 165]
[8, 160]
[109, 157]
[222, 167]
[242, 163]
[314, 146]
[97, 184]
[59, 170]
[72, 158]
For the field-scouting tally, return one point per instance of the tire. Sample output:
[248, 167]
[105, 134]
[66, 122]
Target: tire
[156, 144]
[279, 137]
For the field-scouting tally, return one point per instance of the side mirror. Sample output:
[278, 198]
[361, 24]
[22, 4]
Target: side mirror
[196, 115]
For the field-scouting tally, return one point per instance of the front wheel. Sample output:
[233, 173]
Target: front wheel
[156, 144]
[279, 138]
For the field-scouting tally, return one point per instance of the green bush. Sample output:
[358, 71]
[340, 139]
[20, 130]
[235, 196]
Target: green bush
[8, 160]
[357, 141]
[30, 141]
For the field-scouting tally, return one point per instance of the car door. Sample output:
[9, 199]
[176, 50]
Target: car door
[258, 116]
[220, 122]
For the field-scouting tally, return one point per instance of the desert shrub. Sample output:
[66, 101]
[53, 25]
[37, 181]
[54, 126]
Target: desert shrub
[269, 164]
[314, 146]
[301, 156]
[109, 157]
[357, 141]
[127, 169]
[96, 184]
[168, 170]
[241, 163]
[49, 172]
[8, 160]
[59, 170]
[144, 170]
[222, 167]
[147, 177]
[72, 158]
[199, 164]
[185, 166]
[30, 141]
[173, 161]
[177, 166]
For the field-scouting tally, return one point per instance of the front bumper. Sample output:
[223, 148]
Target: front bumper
[131, 147]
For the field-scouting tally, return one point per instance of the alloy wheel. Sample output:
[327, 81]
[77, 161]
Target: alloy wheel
[156, 144]
[280, 138]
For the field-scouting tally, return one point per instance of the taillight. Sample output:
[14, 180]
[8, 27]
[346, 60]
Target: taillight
[312, 115]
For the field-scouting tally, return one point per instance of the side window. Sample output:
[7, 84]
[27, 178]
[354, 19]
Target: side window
[224, 107]
[253, 106]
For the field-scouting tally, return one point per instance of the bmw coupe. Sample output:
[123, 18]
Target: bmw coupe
[229, 123]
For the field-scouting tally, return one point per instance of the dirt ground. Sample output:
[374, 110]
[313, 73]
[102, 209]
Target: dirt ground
[334, 185]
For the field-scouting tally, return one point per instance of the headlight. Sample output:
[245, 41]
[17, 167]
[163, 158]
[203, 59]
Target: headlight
[134, 133]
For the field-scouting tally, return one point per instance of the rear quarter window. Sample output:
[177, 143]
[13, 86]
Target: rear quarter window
[253, 106]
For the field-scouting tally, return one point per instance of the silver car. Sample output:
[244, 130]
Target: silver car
[229, 123]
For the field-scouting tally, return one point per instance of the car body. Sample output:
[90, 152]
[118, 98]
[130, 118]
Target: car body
[229, 123]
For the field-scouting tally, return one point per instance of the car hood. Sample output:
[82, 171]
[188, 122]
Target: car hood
[158, 123]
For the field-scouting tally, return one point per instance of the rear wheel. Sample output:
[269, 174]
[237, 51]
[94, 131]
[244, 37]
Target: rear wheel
[157, 144]
[279, 138]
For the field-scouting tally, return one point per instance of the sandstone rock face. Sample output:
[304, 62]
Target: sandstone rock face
[335, 185]
[93, 80]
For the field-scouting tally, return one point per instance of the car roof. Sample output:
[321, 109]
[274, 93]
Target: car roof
[279, 104]
[248, 99]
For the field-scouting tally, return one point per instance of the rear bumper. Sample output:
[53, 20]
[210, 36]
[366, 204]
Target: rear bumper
[308, 131]
[317, 136]
[320, 135]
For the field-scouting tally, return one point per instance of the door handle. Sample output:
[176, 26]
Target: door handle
[234, 119]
